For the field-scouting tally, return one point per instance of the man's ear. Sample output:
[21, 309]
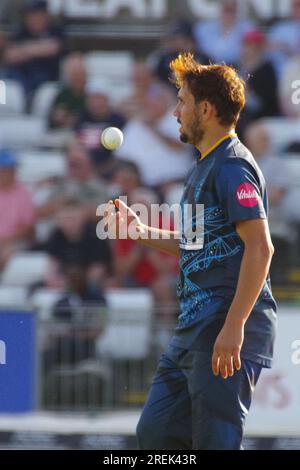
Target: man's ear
[207, 110]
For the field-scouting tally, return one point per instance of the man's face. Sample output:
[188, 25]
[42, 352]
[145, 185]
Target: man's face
[189, 116]
[7, 177]
[79, 164]
[37, 21]
[296, 10]
[229, 10]
[76, 76]
[71, 221]
[98, 105]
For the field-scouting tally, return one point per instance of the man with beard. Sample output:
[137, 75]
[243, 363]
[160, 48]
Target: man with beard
[203, 386]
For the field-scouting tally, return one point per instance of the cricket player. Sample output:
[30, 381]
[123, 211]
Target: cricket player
[202, 389]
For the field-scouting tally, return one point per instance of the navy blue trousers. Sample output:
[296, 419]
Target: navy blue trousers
[188, 408]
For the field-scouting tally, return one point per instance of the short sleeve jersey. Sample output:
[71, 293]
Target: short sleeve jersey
[229, 187]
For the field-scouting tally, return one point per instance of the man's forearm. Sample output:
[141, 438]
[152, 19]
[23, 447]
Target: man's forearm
[253, 273]
[21, 53]
[44, 48]
[169, 245]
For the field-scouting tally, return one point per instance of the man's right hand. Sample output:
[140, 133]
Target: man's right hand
[118, 217]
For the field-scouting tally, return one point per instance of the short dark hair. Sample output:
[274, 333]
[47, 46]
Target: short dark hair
[219, 84]
[128, 165]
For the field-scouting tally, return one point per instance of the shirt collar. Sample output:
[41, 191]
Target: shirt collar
[219, 142]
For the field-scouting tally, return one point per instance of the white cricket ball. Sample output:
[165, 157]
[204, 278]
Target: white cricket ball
[112, 138]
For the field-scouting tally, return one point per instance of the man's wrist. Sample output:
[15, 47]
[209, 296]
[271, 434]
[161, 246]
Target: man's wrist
[234, 320]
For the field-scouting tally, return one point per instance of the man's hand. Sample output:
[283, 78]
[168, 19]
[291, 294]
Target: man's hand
[228, 345]
[118, 216]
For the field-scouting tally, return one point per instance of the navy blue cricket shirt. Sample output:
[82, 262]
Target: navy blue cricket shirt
[230, 185]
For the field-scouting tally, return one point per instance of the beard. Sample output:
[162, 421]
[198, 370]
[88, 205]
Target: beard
[195, 133]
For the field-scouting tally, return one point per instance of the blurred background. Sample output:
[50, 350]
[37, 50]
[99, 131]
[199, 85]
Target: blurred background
[83, 321]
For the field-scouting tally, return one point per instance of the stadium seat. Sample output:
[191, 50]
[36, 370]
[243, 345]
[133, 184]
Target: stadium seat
[114, 66]
[21, 131]
[112, 72]
[292, 165]
[128, 332]
[118, 93]
[282, 131]
[25, 269]
[15, 100]
[38, 166]
[114, 89]
[44, 98]
[290, 206]
[13, 297]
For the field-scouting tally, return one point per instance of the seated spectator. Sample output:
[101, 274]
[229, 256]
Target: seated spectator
[126, 178]
[97, 115]
[16, 210]
[70, 100]
[74, 241]
[180, 39]
[144, 85]
[261, 80]
[221, 39]
[277, 179]
[284, 38]
[80, 300]
[80, 182]
[77, 312]
[33, 54]
[152, 142]
[139, 266]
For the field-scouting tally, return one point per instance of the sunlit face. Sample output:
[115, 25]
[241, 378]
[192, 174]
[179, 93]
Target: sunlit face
[189, 116]
[7, 177]
[76, 75]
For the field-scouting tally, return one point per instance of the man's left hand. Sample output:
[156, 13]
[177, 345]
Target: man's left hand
[226, 355]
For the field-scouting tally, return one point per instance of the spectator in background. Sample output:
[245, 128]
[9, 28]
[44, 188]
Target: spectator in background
[74, 241]
[78, 306]
[180, 39]
[144, 84]
[126, 178]
[33, 54]
[278, 185]
[69, 103]
[97, 115]
[221, 39]
[151, 142]
[16, 210]
[284, 38]
[79, 301]
[261, 80]
[81, 182]
[139, 266]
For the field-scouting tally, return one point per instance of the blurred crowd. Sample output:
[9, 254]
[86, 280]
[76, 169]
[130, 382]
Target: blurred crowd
[56, 213]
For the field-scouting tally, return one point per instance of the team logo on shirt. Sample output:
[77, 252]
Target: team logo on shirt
[247, 195]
